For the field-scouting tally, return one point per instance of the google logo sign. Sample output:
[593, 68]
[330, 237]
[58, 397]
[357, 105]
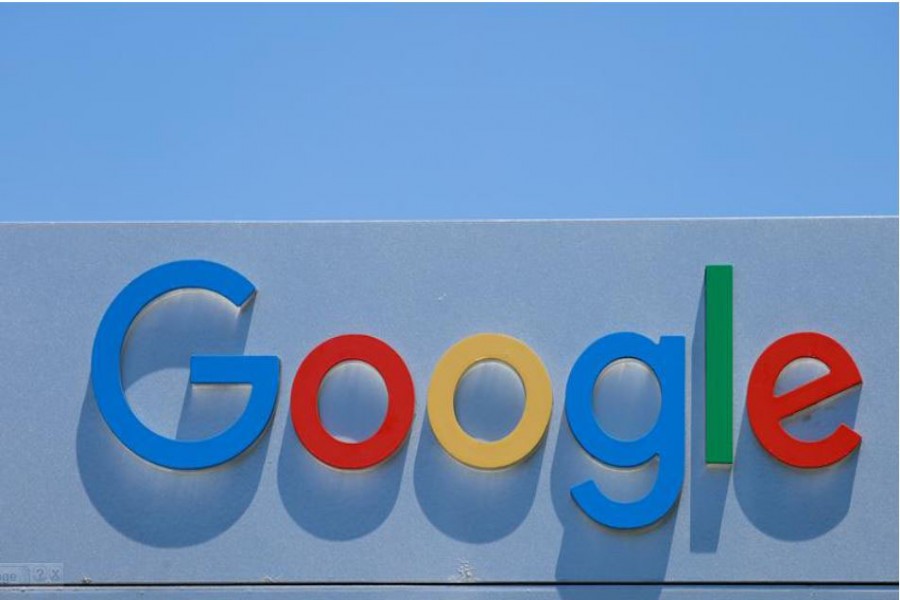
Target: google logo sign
[666, 358]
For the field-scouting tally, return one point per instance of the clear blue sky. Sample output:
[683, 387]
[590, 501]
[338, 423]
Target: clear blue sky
[446, 111]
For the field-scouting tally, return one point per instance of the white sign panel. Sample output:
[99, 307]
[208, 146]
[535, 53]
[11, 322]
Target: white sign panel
[592, 402]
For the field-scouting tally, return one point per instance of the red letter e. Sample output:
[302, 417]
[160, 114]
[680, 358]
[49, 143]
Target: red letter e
[766, 410]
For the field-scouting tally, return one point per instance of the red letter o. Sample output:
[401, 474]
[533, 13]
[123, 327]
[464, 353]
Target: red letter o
[305, 402]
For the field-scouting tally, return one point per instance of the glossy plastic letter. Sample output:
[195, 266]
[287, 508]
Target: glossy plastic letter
[719, 365]
[260, 372]
[665, 440]
[766, 410]
[305, 402]
[529, 431]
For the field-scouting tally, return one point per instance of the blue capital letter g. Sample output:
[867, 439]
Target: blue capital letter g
[260, 372]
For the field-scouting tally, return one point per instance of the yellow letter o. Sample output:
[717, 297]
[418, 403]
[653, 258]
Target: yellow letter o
[529, 431]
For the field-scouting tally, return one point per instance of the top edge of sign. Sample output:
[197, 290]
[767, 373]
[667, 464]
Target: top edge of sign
[639, 220]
